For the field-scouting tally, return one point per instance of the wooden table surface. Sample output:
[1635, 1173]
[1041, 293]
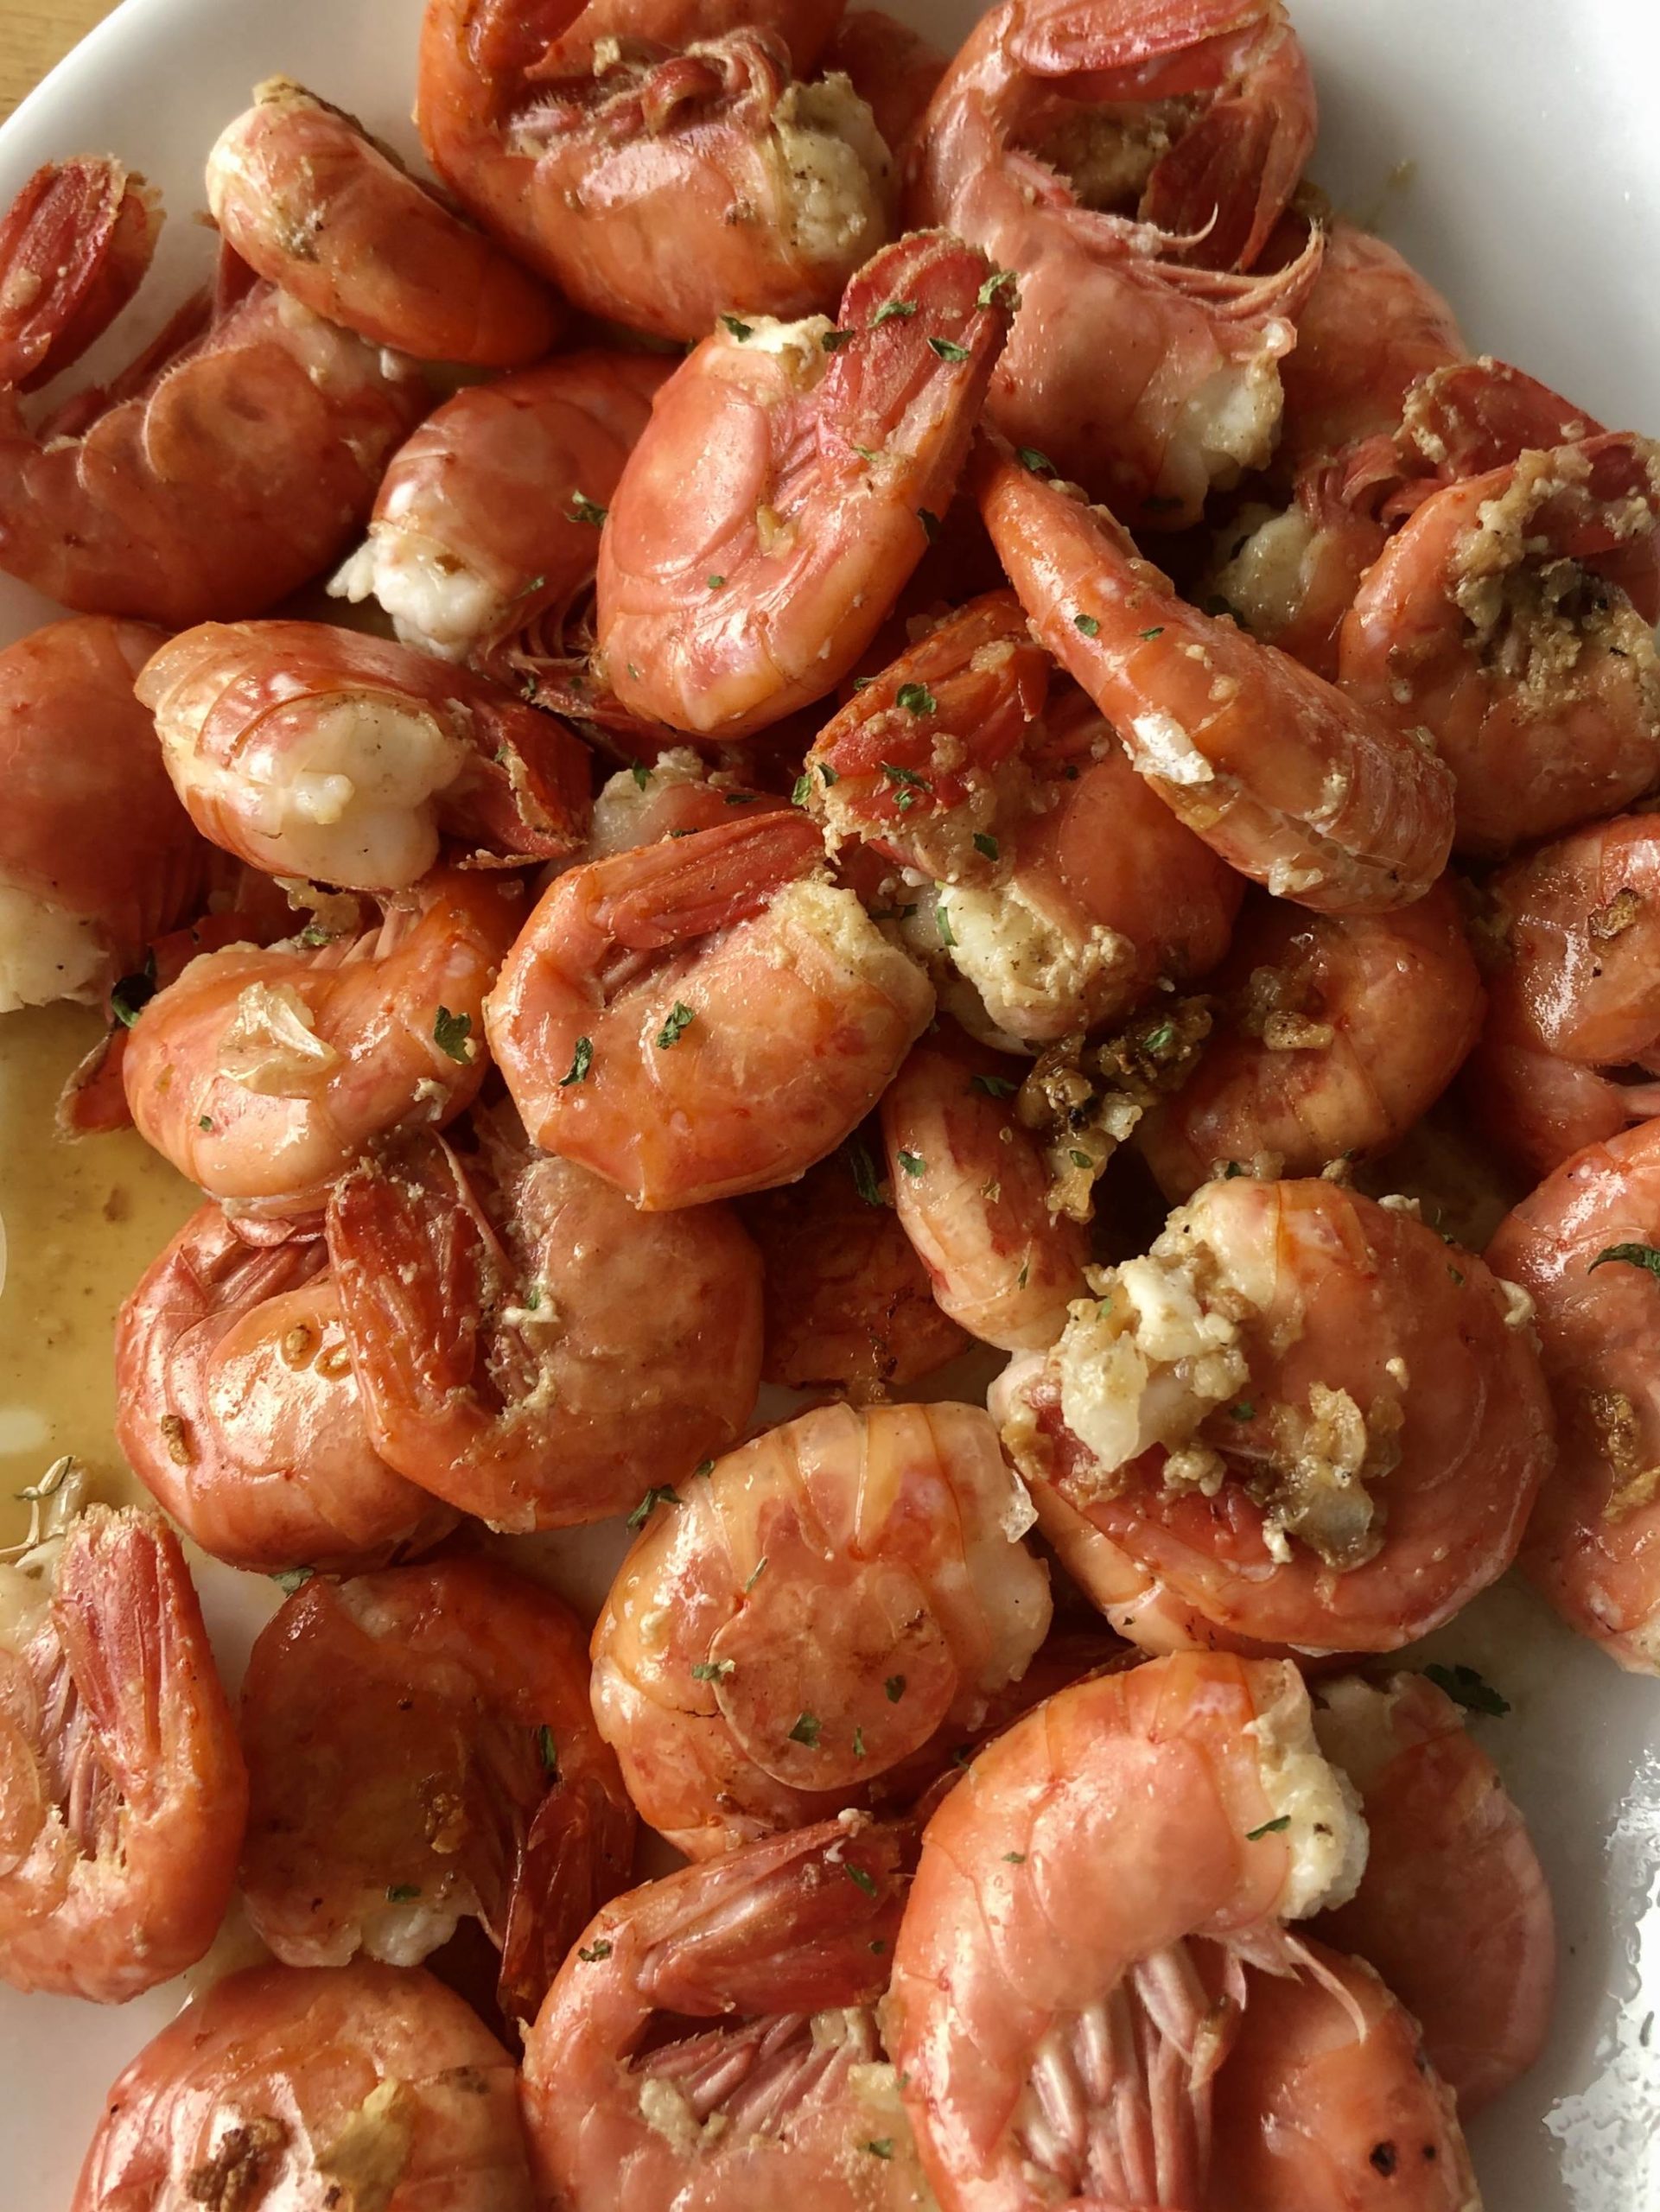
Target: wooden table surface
[34, 33]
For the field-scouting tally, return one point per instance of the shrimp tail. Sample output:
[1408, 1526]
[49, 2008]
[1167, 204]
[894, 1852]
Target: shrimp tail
[75, 246]
[1471, 417]
[576, 1856]
[527, 792]
[668, 899]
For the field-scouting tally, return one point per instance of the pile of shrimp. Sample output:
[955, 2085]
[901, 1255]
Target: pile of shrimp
[972, 712]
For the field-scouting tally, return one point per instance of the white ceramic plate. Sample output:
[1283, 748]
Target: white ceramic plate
[1509, 147]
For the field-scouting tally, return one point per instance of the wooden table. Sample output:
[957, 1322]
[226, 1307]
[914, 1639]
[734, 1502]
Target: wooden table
[34, 34]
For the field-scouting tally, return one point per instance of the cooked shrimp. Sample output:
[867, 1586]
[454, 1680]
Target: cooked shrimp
[677, 793]
[123, 1790]
[1337, 1033]
[1453, 1909]
[1582, 1246]
[1056, 2036]
[457, 553]
[823, 455]
[785, 2096]
[1512, 618]
[76, 244]
[972, 1189]
[1139, 374]
[263, 1075]
[528, 1345]
[356, 2086]
[310, 750]
[1302, 1414]
[229, 463]
[310, 203]
[236, 1407]
[97, 856]
[811, 1611]
[657, 185]
[1295, 784]
[848, 1306]
[703, 1017]
[893, 68]
[416, 1740]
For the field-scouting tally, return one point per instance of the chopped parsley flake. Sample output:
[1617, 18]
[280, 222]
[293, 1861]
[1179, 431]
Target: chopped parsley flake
[1635, 1255]
[861, 1879]
[546, 1750]
[582, 508]
[640, 772]
[450, 1033]
[949, 349]
[1466, 1687]
[1087, 624]
[912, 1162]
[581, 1061]
[1039, 463]
[658, 1494]
[1269, 1828]
[714, 1670]
[288, 1579]
[590, 1953]
[862, 1169]
[889, 309]
[401, 1892]
[994, 1086]
[739, 327]
[895, 1687]
[988, 846]
[916, 699]
[680, 1018]
[1000, 280]
[805, 1730]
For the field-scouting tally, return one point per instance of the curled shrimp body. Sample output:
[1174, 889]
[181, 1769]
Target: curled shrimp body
[420, 1749]
[308, 2090]
[457, 553]
[816, 1609]
[1293, 783]
[228, 465]
[824, 454]
[301, 194]
[703, 1017]
[237, 1408]
[310, 750]
[712, 2044]
[1051, 2012]
[97, 857]
[1303, 1413]
[529, 1346]
[970, 1187]
[263, 1075]
[123, 1790]
[1453, 1909]
[1512, 618]
[1578, 1246]
[1337, 1033]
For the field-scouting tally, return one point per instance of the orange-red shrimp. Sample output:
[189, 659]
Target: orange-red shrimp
[821, 456]
[714, 2042]
[847, 1302]
[1336, 1034]
[310, 750]
[1292, 782]
[231, 462]
[263, 1075]
[1581, 1246]
[1074, 1942]
[97, 857]
[236, 1407]
[1134, 371]
[488, 520]
[353, 2085]
[122, 1789]
[814, 1609]
[1511, 618]
[76, 244]
[1303, 1414]
[1574, 995]
[1453, 1909]
[420, 1751]
[703, 1017]
[527, 1345]
[893, 69]
[310, 203]
[972, 1188]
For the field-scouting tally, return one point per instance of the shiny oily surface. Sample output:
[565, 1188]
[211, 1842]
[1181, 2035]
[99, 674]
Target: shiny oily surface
[1417, 136]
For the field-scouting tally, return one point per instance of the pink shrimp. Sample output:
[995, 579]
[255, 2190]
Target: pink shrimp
[820, 1606]
[456, 553]
[263, 1075]
[229, 463]
[123, 1790]
[1302, 1415]
[311, 204]
[420, 1750]
[823, 455]
[714, 2044]
[237, 1408]
[280, 2088]
[1453, 1909]
[1337, 1033]
[310, 750]
[76, 244]
[1581, 1247]
[1292, 782]
[703, 1017]
[97, 857]
[529, 1346]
